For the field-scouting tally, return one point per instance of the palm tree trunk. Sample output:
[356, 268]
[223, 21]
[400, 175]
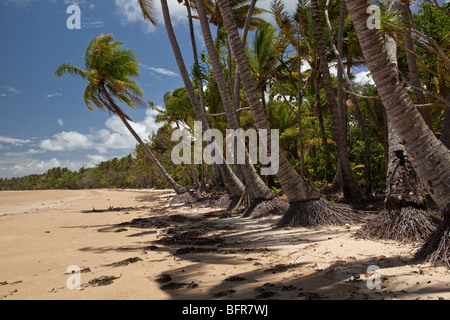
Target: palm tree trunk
[306, 205]
[299, 111]
[194, 49]
[256, 186]
[350, 187]
[175, 186]
[412, 67]
[404, 217]
[445, 130]
[191, 165]
[429, 157]
[323, 134]
[235, 186]
[237, 77]
[358, 114]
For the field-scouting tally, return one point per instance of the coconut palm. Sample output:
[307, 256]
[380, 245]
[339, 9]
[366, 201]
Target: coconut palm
[404, 217]
[235, 186]
[350, 186]
[429, 157]
[110, 70]
[258, 190]
[307, 207]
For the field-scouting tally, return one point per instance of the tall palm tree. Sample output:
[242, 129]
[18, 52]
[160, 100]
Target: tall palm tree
[404, 217]
[235, 186]
[110, 71]
[307, 207]
[305, 33]
[429, 157]
[350, 186]
[240, 9]
[258, 190]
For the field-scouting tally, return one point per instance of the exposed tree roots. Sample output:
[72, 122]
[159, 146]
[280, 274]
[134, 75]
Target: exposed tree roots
[436, 250]
[183, 198]
[319, 212]
[404, 225]
[265, 208]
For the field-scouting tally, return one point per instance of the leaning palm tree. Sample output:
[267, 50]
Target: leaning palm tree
[429, 157]
[307, 207]
[110, 71]
[404, 216]
[235, 186]
[263, 202]
[350, 187]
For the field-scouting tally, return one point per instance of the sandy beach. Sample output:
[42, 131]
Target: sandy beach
[130, 244]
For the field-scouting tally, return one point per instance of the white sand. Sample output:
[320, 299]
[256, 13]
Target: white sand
[42, 233]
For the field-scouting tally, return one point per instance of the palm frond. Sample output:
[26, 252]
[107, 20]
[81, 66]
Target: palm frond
[91, 98]
[71, 70]
[148, 9]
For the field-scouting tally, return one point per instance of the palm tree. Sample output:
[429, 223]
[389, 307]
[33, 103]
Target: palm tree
[308, 49]
[429, 157]
[307, 207]
[235, 186]
[404, 217]
[110, 71]
[259, 192]
[350, 187]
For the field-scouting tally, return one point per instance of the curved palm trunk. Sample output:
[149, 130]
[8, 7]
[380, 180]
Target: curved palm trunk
[235, 186]
[323, 134]
[175, 186]
[350, 187]
[255, 185]
[343, 73]
[306, 205]
[404, 217]
[429, 157]
[412, 66]
[237, 77]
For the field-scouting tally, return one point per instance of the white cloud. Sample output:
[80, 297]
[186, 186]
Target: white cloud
[13, 141]
[92, 23]
[162, 71]
[60, 122]
[18, 3]
[20, 167]
[10, 90]
[67, 141]
[363, 77]
[96, 158]
[56, 94]
[22, 154]
[114, 137]
[99, 145]
[130, 13]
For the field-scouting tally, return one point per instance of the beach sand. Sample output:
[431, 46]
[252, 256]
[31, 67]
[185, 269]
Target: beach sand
[130, 244]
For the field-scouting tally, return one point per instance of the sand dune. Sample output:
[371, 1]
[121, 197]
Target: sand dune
[129, 244]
